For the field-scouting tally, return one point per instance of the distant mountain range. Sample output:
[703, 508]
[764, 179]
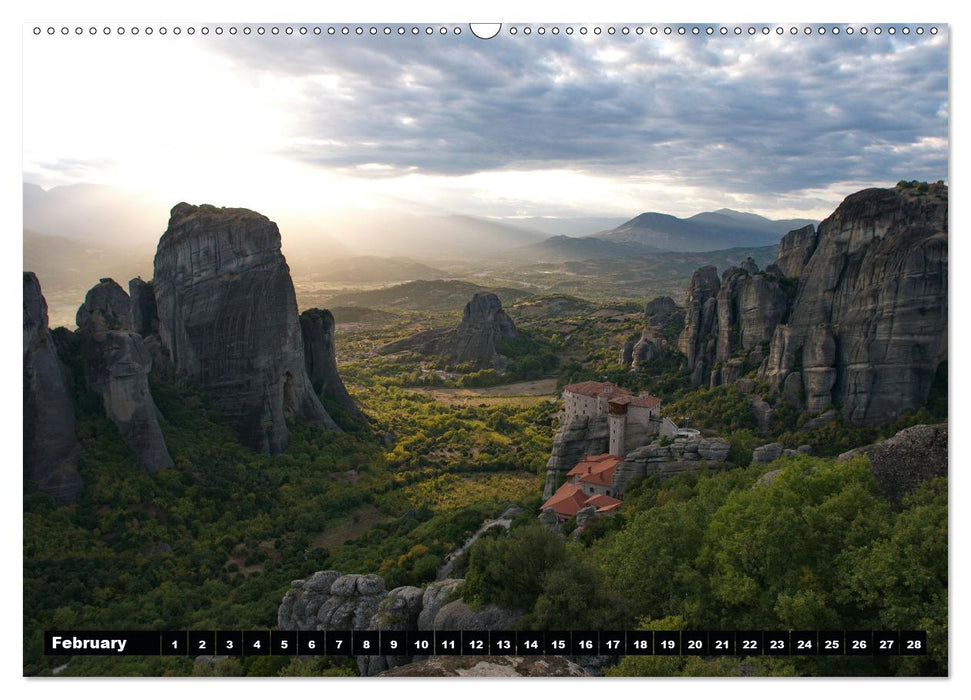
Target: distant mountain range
[653, 232]
[716, 230]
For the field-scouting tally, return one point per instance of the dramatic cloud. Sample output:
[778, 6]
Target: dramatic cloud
[514, 126]
[773, 114]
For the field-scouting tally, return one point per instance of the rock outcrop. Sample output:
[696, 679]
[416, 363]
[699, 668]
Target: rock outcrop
[116, 366]
[901, 463]
[51, 447]
[730, 322]
[586, 435]
[484, 325]
[852, 314]
[320, 354]
[667, 460]
[660, 316]
[228, 318]
[767, 453]
[329, 600]
[698, 338]
[436, 596]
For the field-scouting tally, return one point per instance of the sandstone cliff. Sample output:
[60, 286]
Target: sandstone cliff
[51, 447]
[117, 365]
[484, 325]
[853, 314]
[227, 316]
[317, 328]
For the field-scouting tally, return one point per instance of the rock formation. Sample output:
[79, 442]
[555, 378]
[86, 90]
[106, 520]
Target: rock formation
[320, 354]
[697, 340]
[667, 460]
[730, 321]
[852, 314]
[870, 318]
[51, 447]
[329, 600]
[795, 250]
[587, 435]
[767, 453]
[660, 316]
[144, 312]
[116, 366]
[901, 463]
[228, 318]
[484, 325]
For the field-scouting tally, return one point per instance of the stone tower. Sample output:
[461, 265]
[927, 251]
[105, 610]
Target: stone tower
[617, 420]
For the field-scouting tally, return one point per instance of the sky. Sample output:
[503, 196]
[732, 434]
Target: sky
[514, 126]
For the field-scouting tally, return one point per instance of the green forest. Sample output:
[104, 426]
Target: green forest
[816, 547]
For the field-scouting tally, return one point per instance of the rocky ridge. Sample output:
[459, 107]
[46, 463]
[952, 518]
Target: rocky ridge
[730, 321]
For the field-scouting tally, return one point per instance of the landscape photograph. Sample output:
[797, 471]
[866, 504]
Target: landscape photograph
[522, 350]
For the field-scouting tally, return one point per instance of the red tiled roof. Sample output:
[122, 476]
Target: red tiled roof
[567, 500]
[592, 463]
[597, 470]
[617, 394]
[643, 401]
[603, 503]
[595, 389]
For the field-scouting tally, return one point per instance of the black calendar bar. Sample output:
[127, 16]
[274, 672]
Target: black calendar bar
[341, 643]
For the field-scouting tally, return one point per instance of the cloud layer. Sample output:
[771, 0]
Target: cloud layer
[774, 115]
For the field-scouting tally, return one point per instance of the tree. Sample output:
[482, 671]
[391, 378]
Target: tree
[509, 571]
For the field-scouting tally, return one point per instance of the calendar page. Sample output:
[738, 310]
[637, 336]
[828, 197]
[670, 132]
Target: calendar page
[421, 349]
